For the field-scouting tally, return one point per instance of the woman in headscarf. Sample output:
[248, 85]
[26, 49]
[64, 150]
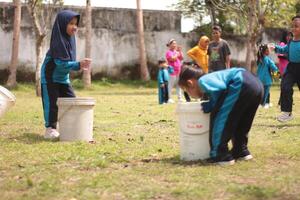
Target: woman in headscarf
[199, 53]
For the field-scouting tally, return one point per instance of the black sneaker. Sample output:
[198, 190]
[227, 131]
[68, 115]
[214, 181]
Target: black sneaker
[244, 155]
[223, 161]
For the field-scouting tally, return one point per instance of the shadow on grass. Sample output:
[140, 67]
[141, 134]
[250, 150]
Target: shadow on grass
[175, 161]
[126, 93]
[279, 126]
[31, 138]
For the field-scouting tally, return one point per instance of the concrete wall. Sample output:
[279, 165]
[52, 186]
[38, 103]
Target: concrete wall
[114, 39]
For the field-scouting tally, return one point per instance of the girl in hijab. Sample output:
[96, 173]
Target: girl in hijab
[60, 59]
[199, 53]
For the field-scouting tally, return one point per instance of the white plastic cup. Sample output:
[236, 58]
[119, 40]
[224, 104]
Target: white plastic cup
[194, 131]
[75, 118]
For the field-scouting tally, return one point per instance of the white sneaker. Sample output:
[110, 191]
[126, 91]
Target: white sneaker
[266, 106]
[285, 116]
[171, 101]
[271, 105]
[247, 157]
[51, 133]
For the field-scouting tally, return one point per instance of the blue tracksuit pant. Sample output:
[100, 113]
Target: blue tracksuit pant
[233, 115]
[290, 77]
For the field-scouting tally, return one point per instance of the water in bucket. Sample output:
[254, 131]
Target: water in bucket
[194, 131]
[75, 118]
[7, 100]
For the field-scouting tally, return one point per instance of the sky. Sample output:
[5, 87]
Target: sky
[186, 24]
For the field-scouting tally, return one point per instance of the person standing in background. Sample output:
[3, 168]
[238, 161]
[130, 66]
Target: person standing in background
[174, 57]
[199, 53]
[218, 51]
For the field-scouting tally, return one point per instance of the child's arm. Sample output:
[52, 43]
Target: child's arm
[191, 54]
[179, 55]
[160, 77]
[272, 65]
[214, 88]
[69, 65]
[74, 65]
[170, 69]
[171, 57]
[281, 49]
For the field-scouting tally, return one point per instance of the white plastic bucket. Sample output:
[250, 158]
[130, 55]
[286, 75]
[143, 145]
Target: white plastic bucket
[7, 100]
[75, 118]
[194, 131]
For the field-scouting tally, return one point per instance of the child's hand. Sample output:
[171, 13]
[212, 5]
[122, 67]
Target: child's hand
[162, 85]
[271, 46]
[85, 64]
[179, 48]
[206, 106]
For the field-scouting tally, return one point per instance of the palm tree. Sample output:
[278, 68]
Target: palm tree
[140, 29]
[41, 15]
[12, 80]
[88, 35]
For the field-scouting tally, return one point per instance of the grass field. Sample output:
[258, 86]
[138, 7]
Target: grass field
[136, 154]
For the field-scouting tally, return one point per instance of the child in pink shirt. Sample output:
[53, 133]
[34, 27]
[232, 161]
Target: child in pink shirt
[174, 58]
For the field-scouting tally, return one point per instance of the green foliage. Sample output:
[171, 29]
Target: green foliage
[232, 15]
[278, 14]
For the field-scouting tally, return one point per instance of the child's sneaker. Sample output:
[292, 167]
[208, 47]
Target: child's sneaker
[228, 160]
[271, 105]
[266, 106]
[171, 101]
[51, 133]
[285, 116]
[245, 155]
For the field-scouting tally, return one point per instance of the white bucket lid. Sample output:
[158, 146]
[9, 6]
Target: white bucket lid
[77, 101]
[7, 93]
[189, 107]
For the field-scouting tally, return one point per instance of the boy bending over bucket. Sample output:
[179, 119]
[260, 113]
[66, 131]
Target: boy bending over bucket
[234, 96]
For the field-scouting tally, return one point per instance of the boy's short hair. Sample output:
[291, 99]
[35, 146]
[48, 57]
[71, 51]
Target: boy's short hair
[217, 28]
[188, 73]
[162, 60]
[296, 17]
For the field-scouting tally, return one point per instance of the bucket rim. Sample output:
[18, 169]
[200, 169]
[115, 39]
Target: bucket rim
[183, 107]
[76, 101]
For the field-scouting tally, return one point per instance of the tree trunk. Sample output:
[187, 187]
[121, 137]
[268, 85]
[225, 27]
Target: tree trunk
[39, 36]
[39, 56]
[88, 36]
[251, 34]
[12, 78]
[140, 29]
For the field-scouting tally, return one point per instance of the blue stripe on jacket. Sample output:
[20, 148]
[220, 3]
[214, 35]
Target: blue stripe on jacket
[59, 71]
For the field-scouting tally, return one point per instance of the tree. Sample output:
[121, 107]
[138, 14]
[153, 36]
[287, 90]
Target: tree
[140, 29]
[12, 80]
[88, 37]
[41, 13]
[250, 17]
